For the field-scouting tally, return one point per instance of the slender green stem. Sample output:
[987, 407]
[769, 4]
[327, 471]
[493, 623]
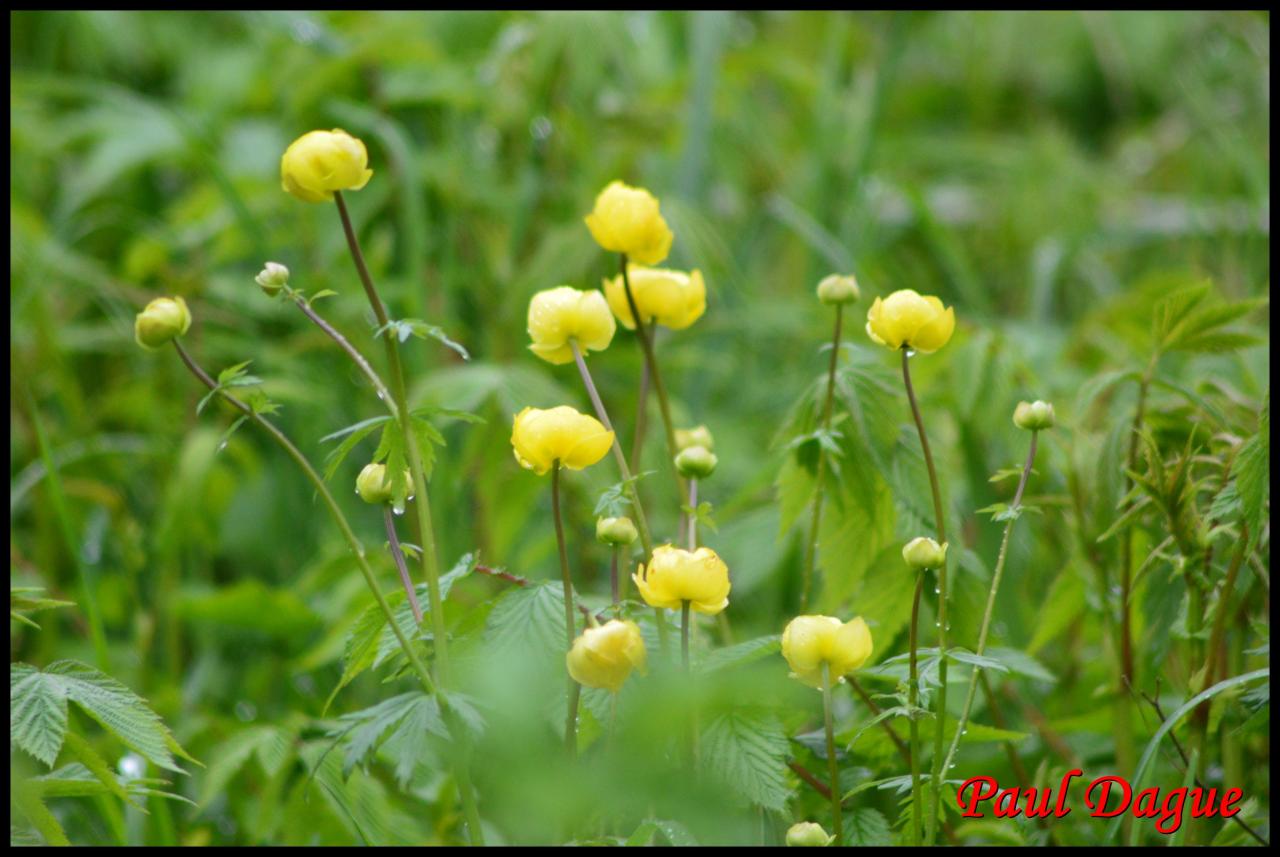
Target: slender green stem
[913, 696]
[693, 514]
[684, 635]
[641, 523]
[991, 604]
[571, 717]
[397, 553]
[356, 357]
[935, 791]
[642, 407]
[811, 547]
[833, 767]
[422, 507]
[339, 518]
[614, 588]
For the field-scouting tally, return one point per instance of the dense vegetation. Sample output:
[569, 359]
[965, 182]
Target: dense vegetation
[1089, 193]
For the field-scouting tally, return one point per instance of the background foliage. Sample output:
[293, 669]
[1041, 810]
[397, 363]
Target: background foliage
[1057, 177]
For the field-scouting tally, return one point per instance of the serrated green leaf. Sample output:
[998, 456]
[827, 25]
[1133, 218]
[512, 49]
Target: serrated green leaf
[866, 826]
[741, 653]
[748, 753]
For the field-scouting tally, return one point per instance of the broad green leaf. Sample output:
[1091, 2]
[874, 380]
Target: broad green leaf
[866, 826]
[748, 753]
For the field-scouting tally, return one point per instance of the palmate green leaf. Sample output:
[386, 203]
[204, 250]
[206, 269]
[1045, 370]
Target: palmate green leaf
[229, 757]
[364, 730]
[1201, 330]
[1173, 310]
[747, 752]
[38, 712]
[24, 600]
[531, 616]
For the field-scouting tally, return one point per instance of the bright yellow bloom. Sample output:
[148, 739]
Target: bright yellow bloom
[905, 318]
[543, 437]
[320, 162]
[811, 641]
[626, 220]
[563, 313]
[160, 321]
[671, 298]
[604, 657]
[675, 576]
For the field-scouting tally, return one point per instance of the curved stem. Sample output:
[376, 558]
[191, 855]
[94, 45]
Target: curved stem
[913, 696]
[641, 523]
[339, 518]
[990, 609]
[811, 547]
[833, 767]
[397, 553]
[356, 357]
[571, 717]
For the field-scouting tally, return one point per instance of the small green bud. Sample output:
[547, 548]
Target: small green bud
[838, 289]
[808, 834]
[1033, 416]
[699, 436]
[616, 531]
[160, 321]
[273, 277]
[922, 553]
[373, 486]
[696, 462]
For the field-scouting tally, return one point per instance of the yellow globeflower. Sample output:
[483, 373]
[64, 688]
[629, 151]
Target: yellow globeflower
[671, 298]
[543, 437]
[907, 319]
[320, 162]
[626, 220]
[563, 313]
[811, 641]
[604, 657]
[675, 576]
[160, 321]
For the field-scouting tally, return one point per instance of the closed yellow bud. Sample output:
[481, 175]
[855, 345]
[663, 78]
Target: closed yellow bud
[564, 313]
[321, 162]
[699, 436]
[1033, 416]
[160, 321]
[616, 531]
[675, 576]
[809, 642]
[808, 834]
[921, 553]
[838, 289]
[541, 438]
[670, 298]
[696, 462]
[373, 484]
[626, 220]
[910, 320]
[604, 657]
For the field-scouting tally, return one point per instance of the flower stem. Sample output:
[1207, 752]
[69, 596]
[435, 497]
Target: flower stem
[571, 716]
[935, 791]
[684, 635]
[991, 604]
[913, 695]
[398, 554]
[833, 767]
[613, 580]
[383, 393]
[811, 547]
[641, 523]
[642, 407]
[693, 514]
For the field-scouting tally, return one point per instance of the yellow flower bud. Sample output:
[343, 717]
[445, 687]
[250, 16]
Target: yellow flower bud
[811, 641]
[699, 436]
[563, 313]
[696, 462]
[540, 438]
[373, 484]
[921, 553]
[838, 289]
[616, 531]
[1033, 416]
[910, 320]
[604, 657]
[321, 162]
[671, 298]
[626, 220]
[675, 576]
[808, 834]
[272, 278]
[160, 321]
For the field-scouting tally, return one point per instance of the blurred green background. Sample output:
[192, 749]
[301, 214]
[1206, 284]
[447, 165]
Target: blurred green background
[1047, 174]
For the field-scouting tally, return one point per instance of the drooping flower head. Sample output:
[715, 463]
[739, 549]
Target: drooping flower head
[811, 641]
[604, 657]
[911, 320]
[674, 299]
[563, 313]
[674, 576]
[626, 220]
[321, 162]
[161, 321]
[540, 438]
